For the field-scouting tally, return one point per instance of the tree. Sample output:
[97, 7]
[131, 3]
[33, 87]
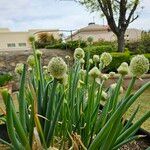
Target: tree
[119, 14]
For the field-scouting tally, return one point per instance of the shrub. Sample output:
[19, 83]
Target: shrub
[98, 50]
[70, 45]
[145, 42]
[117, 59]
[5, 78]
[141, 46]
[44, 39]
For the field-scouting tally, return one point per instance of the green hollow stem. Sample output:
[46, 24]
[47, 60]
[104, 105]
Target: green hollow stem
[50, 109]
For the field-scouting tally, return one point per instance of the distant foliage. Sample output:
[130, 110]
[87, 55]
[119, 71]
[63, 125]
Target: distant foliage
[145, 42]
[117, 59]
[5, 78]
[97, 50]
[45, 39]
[70, 45]
[141, 46]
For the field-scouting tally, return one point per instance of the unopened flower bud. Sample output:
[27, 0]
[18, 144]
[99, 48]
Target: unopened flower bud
[90, 61]
[19, 68]
[105, 76]
[112, 74]
[104, 95]
[96, 58]
[79, 53]
[31, 61]
[82, 61]
[94, 72]
[113, 87]
[123, 69]
[38, 53]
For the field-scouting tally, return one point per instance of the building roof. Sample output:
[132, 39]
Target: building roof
[94, 27]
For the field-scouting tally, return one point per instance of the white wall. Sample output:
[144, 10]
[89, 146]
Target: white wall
[14, 37]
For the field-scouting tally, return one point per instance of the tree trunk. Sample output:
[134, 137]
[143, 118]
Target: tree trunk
[121, 42]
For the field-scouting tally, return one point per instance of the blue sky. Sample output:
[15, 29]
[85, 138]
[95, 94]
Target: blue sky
[27, 14]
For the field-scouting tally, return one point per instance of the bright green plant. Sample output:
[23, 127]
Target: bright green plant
[60, 106]
[5, 78]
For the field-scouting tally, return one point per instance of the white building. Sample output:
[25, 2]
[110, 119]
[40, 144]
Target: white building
[10, 40]
[102, 32]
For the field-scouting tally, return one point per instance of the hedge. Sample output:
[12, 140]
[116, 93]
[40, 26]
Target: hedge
[98, 50]
[118, 58]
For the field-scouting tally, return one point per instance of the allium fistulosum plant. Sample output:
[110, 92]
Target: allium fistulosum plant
[60, 106]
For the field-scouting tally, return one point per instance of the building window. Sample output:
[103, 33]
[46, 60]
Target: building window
[22, 44]
[11, 45]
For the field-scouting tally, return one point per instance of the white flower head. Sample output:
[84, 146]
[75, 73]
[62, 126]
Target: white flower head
[19, 68]
[96, 58]
[112, 74]
[82, 61]
[95, 72]
[123, 69]
[79, 53]
[57, 67]
[91, 61]
[105, 76]
[139, 65]
[38, 53]
[31, 61]
[113, 86]
[106, 58]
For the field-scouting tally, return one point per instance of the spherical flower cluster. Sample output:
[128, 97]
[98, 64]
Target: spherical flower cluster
[79, 53]
[106, 58]
[123, 69]
[19, 68]
[57, 67]
[82, 61]
[113, 86]
[90, 61]
[105, 76]
[96, 58]
[112, 74]
[31, 61]
[139, 65]
[94, 72]
[38, 53]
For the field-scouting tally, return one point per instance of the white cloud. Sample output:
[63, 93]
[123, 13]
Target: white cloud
[25, 14]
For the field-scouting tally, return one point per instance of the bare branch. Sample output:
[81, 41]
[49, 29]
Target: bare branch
[128, 21]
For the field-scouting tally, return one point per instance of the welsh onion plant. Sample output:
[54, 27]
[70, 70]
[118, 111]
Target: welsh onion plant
[60, 106]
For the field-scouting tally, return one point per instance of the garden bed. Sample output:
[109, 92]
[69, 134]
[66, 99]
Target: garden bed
[141, 144]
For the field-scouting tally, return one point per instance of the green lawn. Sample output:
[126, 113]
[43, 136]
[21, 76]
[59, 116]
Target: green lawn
[144, 102]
